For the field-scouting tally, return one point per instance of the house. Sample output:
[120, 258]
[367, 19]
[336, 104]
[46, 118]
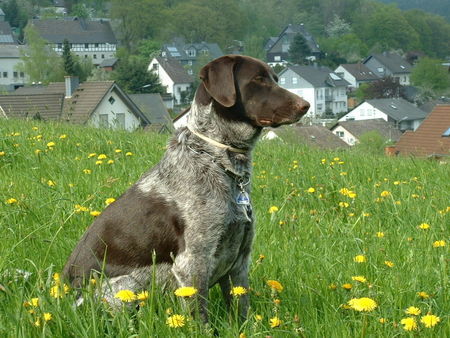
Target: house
[92, 39]
[431, 139]
[351, 131]
[152, 106]
[96, 103]
[188, 53]
[6, 34]
[389, 64]
[173, 77]
[10, 78]
[277, 48]
[314, 136]
[356, 74]
[108, 65]
[325, 91]
[403, 114]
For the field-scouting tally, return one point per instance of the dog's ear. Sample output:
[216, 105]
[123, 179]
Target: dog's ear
[218, 79]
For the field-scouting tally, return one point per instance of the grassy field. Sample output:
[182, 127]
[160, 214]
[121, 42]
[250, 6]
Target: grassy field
[331, 227]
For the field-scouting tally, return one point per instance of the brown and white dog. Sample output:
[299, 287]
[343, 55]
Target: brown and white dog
[192, 210]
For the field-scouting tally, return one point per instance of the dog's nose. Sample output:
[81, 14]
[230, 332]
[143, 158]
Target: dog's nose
[303, 106]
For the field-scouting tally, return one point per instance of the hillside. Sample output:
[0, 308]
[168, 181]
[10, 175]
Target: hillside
[439, 7]
[345, 241]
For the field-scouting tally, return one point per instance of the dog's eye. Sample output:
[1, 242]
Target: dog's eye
[258, 78]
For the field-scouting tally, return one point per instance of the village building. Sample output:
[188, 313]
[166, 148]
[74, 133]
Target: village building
[389, 64]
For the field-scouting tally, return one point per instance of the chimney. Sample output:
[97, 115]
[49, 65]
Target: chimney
[72, 83]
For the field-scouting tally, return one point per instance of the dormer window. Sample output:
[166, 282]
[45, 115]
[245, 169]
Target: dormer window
[446, 133]
[191, 52]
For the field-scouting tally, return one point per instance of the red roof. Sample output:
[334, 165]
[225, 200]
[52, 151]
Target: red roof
[428, 139]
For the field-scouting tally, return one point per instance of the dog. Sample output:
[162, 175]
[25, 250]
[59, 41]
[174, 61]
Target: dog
[189, 218]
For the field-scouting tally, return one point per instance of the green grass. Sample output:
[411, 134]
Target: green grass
[309, 244]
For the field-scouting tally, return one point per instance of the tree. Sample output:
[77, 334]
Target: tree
[299, 50]
[132, 75]
[68, 59]
[38, 60]
[337, 27]
[430, 75]
[386, 87]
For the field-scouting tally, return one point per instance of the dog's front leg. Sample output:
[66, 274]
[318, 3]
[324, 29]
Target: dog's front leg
[238, 276]
[192, 270]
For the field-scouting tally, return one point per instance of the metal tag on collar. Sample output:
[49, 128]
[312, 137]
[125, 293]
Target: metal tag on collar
[243, 198]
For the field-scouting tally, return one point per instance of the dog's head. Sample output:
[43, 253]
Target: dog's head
[245, 88]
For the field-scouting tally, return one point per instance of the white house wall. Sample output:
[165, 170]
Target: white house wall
[364, 111]
[164, 78]
[348, 137]
[302, 88]
[8, 68]
[105, 107]
[342, 72]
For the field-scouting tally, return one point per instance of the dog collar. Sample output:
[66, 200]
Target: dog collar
[216, 143]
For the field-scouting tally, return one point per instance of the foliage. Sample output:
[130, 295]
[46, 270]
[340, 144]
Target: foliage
[80, 10]
[299, 50]
[68, 59]
[384, 88]
[372, 143]
[72, 64]
[429, 74]
[148, 49]
[338, 27]
[132, 75]
[332, 206]
[39, 61]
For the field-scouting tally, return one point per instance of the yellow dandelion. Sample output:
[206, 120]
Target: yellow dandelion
[110, 200]
[363, 304]
[95, 213]
[129, 153]
[142, 295]
[125, 296]
[382, 320]
[258, 318]
[424, 226]
[98, 162]
[186, 291]
[380, 234]
[438, 244]
[47, 316]
[63, 136]
[344, 204]
[87, 171]
[273, 209]
[51, 144]
[385, 193]
[242, 335]
[34, 302]
[409, 323]
[275, 322]
[2, 153]
[56, 277]
[57, 291]
[389, 264]
[360, 279]
[238, 291]
[110, 162]
[311, 190]
[37, 323]
[430, 320]
[360, 259]
[92, 155]
[413, 310]
[423, 295]
[118, 151]
[332, 286]
[176, 321]
[51, 183]
[11, 201]
[102, 157]
[275, 285]
[347, 286]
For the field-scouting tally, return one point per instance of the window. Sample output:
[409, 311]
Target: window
[5, 74]
[340, 134]
[319, 107]
[380, 69]
[282, 80]
[59, 45]
[111, 100]
[85, 56]
[191, 52]
[96, 45]
[120, 120]
[103, 120]
[86, 46]
[277, 58]
[190, 72]
[155, 66]
[15, 74]
[362, 112]
[22, 74]
[95, 56]
[446, 133]
[294, 80]
[103, 56]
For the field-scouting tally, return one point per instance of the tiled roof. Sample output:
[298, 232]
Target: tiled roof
[427, 139]
[177, 49]
[358, 128]
[43, 106]
[152, 106]
[175, 70]
[290, 31]
[318, 76]
[10, 51]
[75, 30]
[316, 136]
[360, 71]
[392, 61]
[398, 109]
